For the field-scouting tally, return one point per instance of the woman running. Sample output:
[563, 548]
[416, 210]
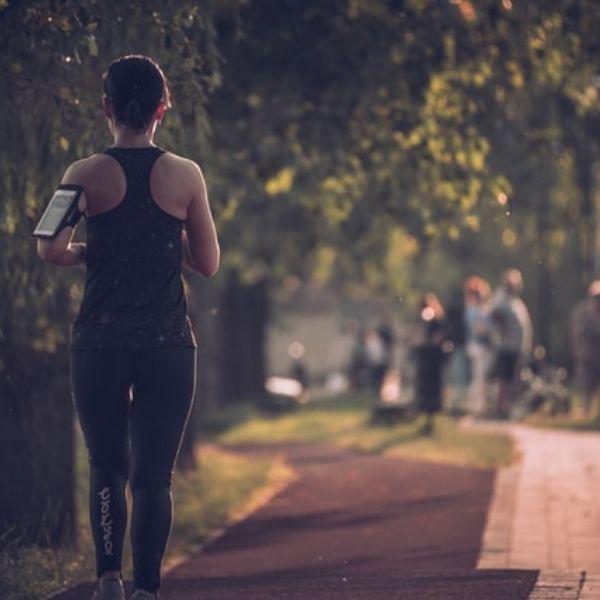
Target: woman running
[132, 350]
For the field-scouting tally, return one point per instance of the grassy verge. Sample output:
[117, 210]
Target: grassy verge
[224, 486]
[573, 421]
[567, 422]
[347, 421]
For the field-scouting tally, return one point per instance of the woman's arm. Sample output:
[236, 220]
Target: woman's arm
[199, 238]
[60, 250]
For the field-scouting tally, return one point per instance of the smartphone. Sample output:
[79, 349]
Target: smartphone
[62, 210]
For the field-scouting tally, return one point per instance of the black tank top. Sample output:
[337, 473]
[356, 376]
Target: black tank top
[134, 297]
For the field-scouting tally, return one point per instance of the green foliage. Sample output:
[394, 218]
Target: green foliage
[467, 125]
[323, 127]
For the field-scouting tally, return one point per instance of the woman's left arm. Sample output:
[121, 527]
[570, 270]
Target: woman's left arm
[61, 250]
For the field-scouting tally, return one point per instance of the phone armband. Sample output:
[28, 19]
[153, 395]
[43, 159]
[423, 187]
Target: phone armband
[62, 211]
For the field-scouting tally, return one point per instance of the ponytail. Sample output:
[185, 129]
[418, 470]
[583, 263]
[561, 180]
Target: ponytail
[132, 115]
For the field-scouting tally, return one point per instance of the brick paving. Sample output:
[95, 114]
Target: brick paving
[545, 513]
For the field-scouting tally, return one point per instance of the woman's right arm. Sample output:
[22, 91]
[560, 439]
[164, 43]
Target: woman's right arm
[199, 238]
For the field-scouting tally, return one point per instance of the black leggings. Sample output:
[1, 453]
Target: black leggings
[133, 406]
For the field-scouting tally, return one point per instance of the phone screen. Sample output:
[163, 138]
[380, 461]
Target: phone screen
[56, 210]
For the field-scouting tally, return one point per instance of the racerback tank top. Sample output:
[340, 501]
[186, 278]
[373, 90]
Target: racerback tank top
[134, 296]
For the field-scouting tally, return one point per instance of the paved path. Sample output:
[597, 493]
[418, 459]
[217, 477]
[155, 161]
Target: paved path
[355, 526]
[545, 513]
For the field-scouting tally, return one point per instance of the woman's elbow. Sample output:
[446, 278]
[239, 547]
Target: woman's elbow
[212, 266]
[208, 266]
[204, 269]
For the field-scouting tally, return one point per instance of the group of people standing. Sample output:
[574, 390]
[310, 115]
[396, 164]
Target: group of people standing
[477, 345]
[484, 335]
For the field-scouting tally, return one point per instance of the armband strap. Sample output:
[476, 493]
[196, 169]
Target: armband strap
[73, 217]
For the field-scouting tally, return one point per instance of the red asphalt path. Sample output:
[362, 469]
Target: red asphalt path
[354, 526]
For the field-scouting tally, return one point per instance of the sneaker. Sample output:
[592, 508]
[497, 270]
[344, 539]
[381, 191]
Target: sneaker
[109, 588]
[144, 595]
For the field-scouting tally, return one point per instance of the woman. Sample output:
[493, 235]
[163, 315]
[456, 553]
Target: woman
[429, 351]
[132, 351]
[479, 341]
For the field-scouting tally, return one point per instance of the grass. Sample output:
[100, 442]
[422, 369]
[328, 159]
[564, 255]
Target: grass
[573, 421]
[567, 422]
[224, 486]
[347, 422]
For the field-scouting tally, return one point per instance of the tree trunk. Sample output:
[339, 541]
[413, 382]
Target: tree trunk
[202, 297]
[243, 323]
[585, 179]
[36, 447]
[230, 326]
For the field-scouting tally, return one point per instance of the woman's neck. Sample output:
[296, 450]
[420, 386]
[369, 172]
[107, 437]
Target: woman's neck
[126, 138]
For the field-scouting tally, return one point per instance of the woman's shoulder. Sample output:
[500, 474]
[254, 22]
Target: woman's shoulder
[88, 168]
[178, 167]
[176, 161]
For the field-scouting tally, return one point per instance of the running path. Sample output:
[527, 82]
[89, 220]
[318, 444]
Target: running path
[545, 513]
[354, 526]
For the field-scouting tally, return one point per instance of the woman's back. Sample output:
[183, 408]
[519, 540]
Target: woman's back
[133, 295]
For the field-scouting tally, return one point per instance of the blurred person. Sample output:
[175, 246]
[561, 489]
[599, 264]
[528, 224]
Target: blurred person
[376, 358]
[459, 365]
[479, 341]
[358, 369]
[429, 354]
[299, 369]
[388, 337]
[512, 336]
[585, 346]
[389, 378]
[132, 350]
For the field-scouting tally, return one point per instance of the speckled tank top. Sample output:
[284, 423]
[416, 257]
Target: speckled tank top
[134, 296]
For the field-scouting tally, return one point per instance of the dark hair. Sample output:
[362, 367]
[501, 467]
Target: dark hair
[135, 86]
